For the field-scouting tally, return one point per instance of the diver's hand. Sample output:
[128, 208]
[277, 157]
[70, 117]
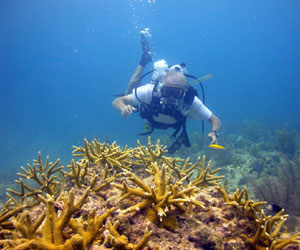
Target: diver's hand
[213, 137]
[127, 110]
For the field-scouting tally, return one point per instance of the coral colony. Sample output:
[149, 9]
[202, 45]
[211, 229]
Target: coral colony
[134, 199]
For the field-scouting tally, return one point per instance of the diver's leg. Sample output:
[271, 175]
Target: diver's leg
[134, 79]
[145, 59]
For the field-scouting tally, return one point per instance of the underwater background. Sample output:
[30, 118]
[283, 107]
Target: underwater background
[61, 62]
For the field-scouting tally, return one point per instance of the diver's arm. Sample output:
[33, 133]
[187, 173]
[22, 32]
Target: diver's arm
[124, 105]
[215, 126]
[134, 79]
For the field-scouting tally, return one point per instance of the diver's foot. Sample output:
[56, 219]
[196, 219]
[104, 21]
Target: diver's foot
[145, 44]
[146, 56]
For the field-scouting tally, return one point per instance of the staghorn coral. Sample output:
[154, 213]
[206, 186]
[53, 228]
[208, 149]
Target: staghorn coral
[55, 224]
[32, 194]
[42, 175]
[183, 171]
[152, 153]
[53, 234]
[267, 235]
[105, 179]
[120, 242]
[205, 176]
[91, 233]
[6, 213]
[104, 153]
[53, 227]
[84, 175]
[199, 174]
[185, 217]
[162, 197]
[79, 172]
[249, 206]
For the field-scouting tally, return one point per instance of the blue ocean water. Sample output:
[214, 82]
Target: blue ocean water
[61, 62]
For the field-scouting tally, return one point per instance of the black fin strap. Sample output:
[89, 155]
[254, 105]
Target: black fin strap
[173, 136]
[148, 133]
[185, 136]
[181, 139]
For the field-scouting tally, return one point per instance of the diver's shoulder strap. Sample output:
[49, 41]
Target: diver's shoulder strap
[155, 98]
[190, 95]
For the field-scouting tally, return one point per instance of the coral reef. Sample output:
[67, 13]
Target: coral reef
[135, 199]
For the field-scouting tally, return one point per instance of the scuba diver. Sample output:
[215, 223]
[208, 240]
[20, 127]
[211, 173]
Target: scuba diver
[167, 102]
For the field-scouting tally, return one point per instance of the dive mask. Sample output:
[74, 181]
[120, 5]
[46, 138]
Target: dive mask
[168, 91]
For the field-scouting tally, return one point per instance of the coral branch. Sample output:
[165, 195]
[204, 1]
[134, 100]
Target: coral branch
[120, 242]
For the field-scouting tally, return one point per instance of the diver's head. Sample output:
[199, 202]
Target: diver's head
[174, 85]
[176, 79]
